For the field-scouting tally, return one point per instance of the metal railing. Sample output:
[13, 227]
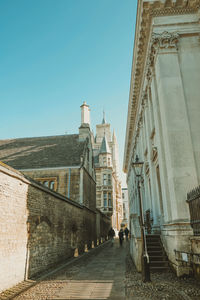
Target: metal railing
[193, 199]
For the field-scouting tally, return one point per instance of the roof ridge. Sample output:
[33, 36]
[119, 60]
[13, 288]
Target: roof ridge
[40, 137]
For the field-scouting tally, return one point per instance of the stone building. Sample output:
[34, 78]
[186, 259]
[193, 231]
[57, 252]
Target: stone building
[62, 163]
[163, 122]
[108, 185]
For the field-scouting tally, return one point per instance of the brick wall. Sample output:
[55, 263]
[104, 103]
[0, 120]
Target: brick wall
[40, 228]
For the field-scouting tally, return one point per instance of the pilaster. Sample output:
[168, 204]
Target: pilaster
[177, 140]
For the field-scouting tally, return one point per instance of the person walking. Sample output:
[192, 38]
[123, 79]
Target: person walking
[111, 235]
[121, 236]
[126, 231]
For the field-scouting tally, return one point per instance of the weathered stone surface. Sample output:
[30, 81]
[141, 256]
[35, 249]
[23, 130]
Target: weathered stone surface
[39, 228]
[13, 228]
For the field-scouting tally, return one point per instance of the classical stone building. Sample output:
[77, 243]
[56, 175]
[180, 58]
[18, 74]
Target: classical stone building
[62, 163]
[163, 122]
[108, 185]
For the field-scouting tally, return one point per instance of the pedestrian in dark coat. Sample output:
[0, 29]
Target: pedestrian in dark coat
[111, 235]
[121, 236]
[126, 231]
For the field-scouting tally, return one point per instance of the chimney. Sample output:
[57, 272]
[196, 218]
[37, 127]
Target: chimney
[85, 114]
[84, 129]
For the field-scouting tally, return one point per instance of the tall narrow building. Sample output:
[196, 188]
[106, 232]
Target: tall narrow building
[108, 185]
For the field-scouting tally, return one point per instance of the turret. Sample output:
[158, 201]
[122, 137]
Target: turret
[105, 157]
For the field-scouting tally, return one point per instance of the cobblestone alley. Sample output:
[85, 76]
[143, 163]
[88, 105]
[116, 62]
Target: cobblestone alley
[109, 273]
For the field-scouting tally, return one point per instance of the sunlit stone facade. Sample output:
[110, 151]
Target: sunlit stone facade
[163, 121]
[108, 185]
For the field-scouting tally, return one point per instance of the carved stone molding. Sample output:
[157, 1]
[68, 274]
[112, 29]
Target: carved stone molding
[164, 40]
[147, 10]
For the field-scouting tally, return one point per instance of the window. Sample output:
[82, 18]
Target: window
[109, 161]
[46, 183]
[104, 179]
[50, 182]
[109, 179]
[109, 200]
[122, 195]
[104, 160]
[105, 202]
[51, 185]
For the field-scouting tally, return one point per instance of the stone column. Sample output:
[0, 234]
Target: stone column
[149, 127]
[177, 142]
[161, 152]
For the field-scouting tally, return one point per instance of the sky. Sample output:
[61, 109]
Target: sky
[55, 54]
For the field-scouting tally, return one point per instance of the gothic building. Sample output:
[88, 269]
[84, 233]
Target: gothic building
[73, 164]
[108, 185]
[62, 163]
[163, 125]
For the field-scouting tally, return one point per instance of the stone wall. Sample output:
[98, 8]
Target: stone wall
[67, 179]
[40, 228]
[13, 228]
[89, 190]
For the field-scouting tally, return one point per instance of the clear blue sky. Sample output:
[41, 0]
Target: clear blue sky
[56, 53]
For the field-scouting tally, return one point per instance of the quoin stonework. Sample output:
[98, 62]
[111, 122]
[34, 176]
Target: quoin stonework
[163, 127]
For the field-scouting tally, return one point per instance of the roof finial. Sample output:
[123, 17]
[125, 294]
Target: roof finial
[104, 119]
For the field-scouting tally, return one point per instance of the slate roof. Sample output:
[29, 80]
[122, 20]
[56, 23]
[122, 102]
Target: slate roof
[42, 152]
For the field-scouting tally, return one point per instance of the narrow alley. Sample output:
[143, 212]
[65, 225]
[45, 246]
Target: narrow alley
[98, 276]
[108, 272]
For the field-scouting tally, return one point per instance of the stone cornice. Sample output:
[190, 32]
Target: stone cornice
[145, 12]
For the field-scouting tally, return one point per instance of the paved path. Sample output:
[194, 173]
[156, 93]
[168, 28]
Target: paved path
[101, 277]
[98, 276]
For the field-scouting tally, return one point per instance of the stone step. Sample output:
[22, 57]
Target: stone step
[153, 242]
[155, 253]
[150, 247]
[153, 236]
[159, 269]
[159, 264]
[158, 258]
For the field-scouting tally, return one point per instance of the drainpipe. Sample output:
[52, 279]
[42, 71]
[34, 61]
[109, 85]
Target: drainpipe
[69, 182]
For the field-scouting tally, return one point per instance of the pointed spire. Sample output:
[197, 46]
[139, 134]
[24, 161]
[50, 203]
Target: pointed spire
[114, 136]
[104, 119]
[104, 146]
